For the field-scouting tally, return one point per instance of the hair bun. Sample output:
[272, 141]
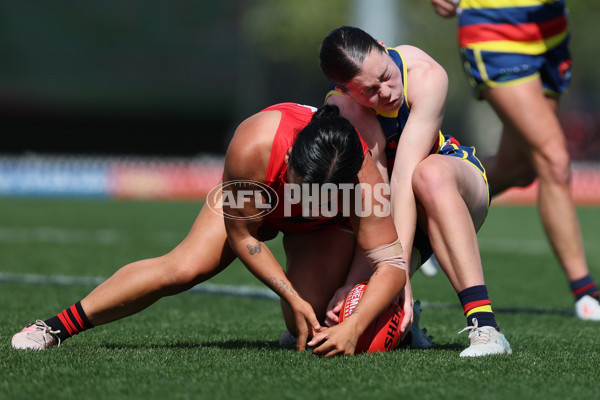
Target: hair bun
[327, 111]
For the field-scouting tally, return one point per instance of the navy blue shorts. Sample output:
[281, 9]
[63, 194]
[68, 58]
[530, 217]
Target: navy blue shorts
[489, 69]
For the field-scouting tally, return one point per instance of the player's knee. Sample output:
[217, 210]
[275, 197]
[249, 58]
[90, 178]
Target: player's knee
[562, 168]
[555, 166]
[183, 275]
[430, 180]
[177, 274]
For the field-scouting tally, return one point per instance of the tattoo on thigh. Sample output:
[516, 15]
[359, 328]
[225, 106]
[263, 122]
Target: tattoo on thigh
[254, 249]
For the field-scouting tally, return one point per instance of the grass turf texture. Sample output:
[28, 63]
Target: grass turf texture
[196, 346]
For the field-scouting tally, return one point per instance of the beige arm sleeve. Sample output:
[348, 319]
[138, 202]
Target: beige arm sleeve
[390, 254]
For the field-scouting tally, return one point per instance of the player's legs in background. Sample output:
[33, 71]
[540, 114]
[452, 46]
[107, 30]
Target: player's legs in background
[530, 119]
[530, 122]
[510, 153]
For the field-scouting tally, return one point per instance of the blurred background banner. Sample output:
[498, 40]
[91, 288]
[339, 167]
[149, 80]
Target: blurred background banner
[109, 177]
[114, 98]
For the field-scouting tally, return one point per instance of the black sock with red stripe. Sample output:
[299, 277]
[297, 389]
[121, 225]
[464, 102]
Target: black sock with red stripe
[70, 322]
[584, 286]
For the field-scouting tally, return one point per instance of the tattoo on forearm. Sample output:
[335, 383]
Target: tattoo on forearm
[280, 286]
[254, 249]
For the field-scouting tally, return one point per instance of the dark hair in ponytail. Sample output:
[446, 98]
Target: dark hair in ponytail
[328, 149]
[343, 51]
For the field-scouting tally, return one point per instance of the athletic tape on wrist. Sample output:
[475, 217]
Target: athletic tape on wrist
[390, 254]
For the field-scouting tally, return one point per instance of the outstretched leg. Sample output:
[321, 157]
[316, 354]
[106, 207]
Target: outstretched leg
[134, 287]
[201, 255]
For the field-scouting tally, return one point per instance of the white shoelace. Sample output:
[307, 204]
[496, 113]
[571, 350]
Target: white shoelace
[47, 330]
[476, 334]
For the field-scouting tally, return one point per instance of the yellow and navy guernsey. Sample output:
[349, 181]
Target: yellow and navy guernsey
[392, 124]
[513, 26]
[504, 41]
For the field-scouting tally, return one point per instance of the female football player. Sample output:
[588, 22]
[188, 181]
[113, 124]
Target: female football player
[516, 55]
[282, 145]
[395, 97]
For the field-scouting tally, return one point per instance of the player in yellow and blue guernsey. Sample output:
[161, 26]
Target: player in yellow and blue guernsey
[507, 43]
[516, 56]
[392, 124]
[439, 193]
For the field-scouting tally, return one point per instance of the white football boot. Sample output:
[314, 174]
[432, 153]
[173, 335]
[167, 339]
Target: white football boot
[431, 267]
[587, 308]
[485, 341]
[37, 336]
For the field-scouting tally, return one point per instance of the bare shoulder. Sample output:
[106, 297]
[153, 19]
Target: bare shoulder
[350, 108]
[414, 54]
[424, 73]
[250, 148]
[419, 61]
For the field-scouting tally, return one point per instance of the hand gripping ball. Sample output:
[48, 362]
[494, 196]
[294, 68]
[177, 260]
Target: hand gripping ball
[384, 332]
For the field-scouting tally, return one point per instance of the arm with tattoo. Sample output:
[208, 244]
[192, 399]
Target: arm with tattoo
[254, 249]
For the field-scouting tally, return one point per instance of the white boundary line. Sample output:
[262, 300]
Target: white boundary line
[203, 288]
[70, 236]
[244, 291]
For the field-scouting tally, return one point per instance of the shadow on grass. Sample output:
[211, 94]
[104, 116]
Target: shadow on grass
[448, 346]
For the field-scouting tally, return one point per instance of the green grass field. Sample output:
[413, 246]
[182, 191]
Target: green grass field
[205, 346]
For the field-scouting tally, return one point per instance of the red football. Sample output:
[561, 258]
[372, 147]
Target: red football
[384, 333]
